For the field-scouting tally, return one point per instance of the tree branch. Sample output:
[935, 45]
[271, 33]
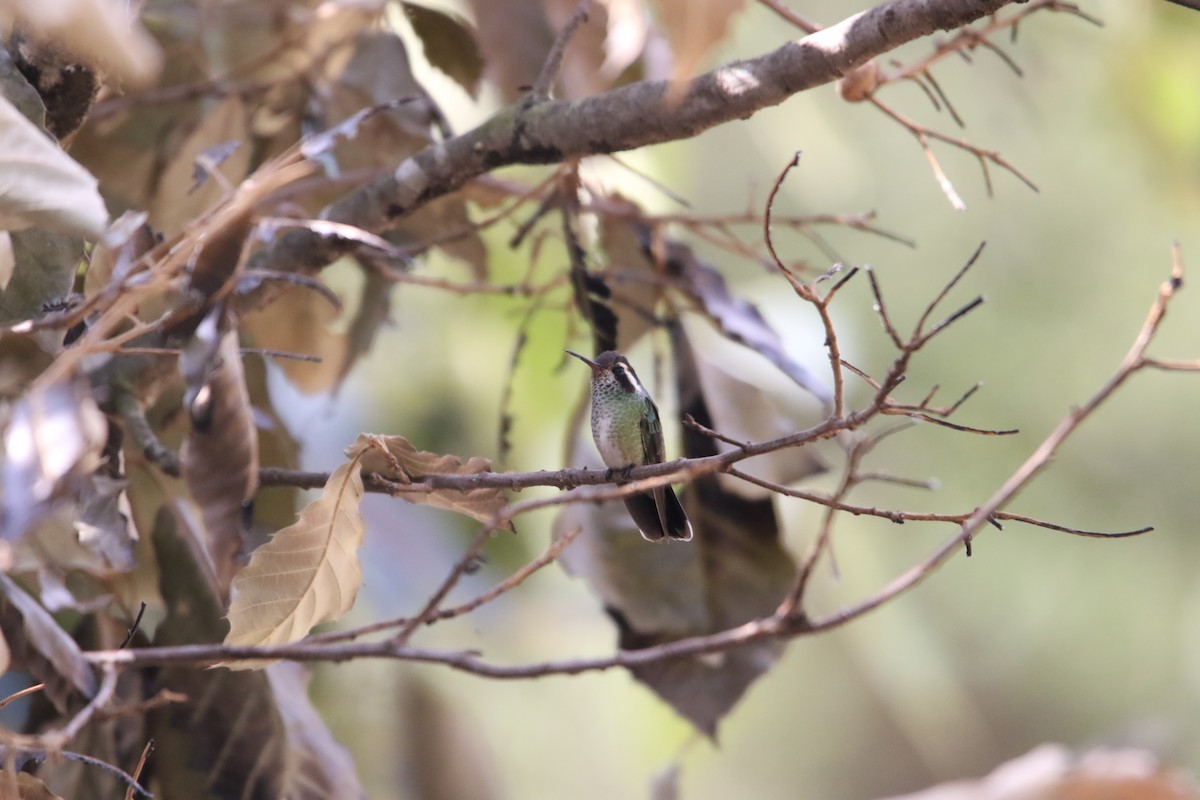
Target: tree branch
[626, 118]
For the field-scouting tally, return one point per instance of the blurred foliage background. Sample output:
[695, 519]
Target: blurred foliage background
[1039, 637]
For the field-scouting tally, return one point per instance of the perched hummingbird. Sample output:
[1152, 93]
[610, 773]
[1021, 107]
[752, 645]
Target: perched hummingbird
[628, 433]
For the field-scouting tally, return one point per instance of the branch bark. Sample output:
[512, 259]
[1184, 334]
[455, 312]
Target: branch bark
[626, 118]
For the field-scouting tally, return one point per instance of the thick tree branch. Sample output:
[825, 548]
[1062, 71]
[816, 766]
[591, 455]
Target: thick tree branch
[632, 116]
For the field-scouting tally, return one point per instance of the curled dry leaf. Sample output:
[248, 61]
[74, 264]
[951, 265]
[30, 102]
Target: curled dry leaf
[52, 445]
[40, 647]
[91, 534]
[220, 454]
[44, 186]
[396, 459]
[308, 573]
[858, 84]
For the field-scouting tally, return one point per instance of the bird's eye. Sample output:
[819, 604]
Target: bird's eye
[626, 378]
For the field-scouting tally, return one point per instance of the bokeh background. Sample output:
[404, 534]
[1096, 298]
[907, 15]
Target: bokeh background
[1039, 637]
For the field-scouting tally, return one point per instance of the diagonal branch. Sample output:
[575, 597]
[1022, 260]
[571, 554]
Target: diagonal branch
[626, 118]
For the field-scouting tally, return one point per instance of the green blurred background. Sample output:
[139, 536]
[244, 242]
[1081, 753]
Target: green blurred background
[1039, 637]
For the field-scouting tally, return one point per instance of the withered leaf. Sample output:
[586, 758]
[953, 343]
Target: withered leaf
[1053, 771]
[631, 278]
[44, 186]
[694, 28]
[449, 43]
[178, 199]
[40, 647]
[250, 735]
[220, 454]
[89, 532]
[743, 412]
[298, 321]
[307, 573]
[736, 318]
[482, 504]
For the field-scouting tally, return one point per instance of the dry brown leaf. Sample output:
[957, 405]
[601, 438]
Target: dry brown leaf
[8, 261]
[482, 504]
[30, 787]
[176, 201]
[743, 412]
[737, 319]
[307, 573]
[97, 32]
[42, 648]
[299, 321]
[220, 455]
[449, 44]
[44, 186]
[632, 278]
[694, 28]
[1053, 772]
[238, 734]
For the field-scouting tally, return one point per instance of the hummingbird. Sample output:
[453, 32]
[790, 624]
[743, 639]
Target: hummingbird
[628, 433]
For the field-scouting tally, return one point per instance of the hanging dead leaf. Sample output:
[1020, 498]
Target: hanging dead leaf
[743, 412]
[514, 37]
[90, 533]
[374, 307]
[176, 200]
[315, 765]
[40, 647]
[631, 277]
[379, 72]
[268, 742]
[736, 318]
[694, 29]
[307, 573]
[299, 320]
[44, 186]
[52, 443]
[449, 43]
[447, 222]
[220, 455]
[383, 454]
[446, 753]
